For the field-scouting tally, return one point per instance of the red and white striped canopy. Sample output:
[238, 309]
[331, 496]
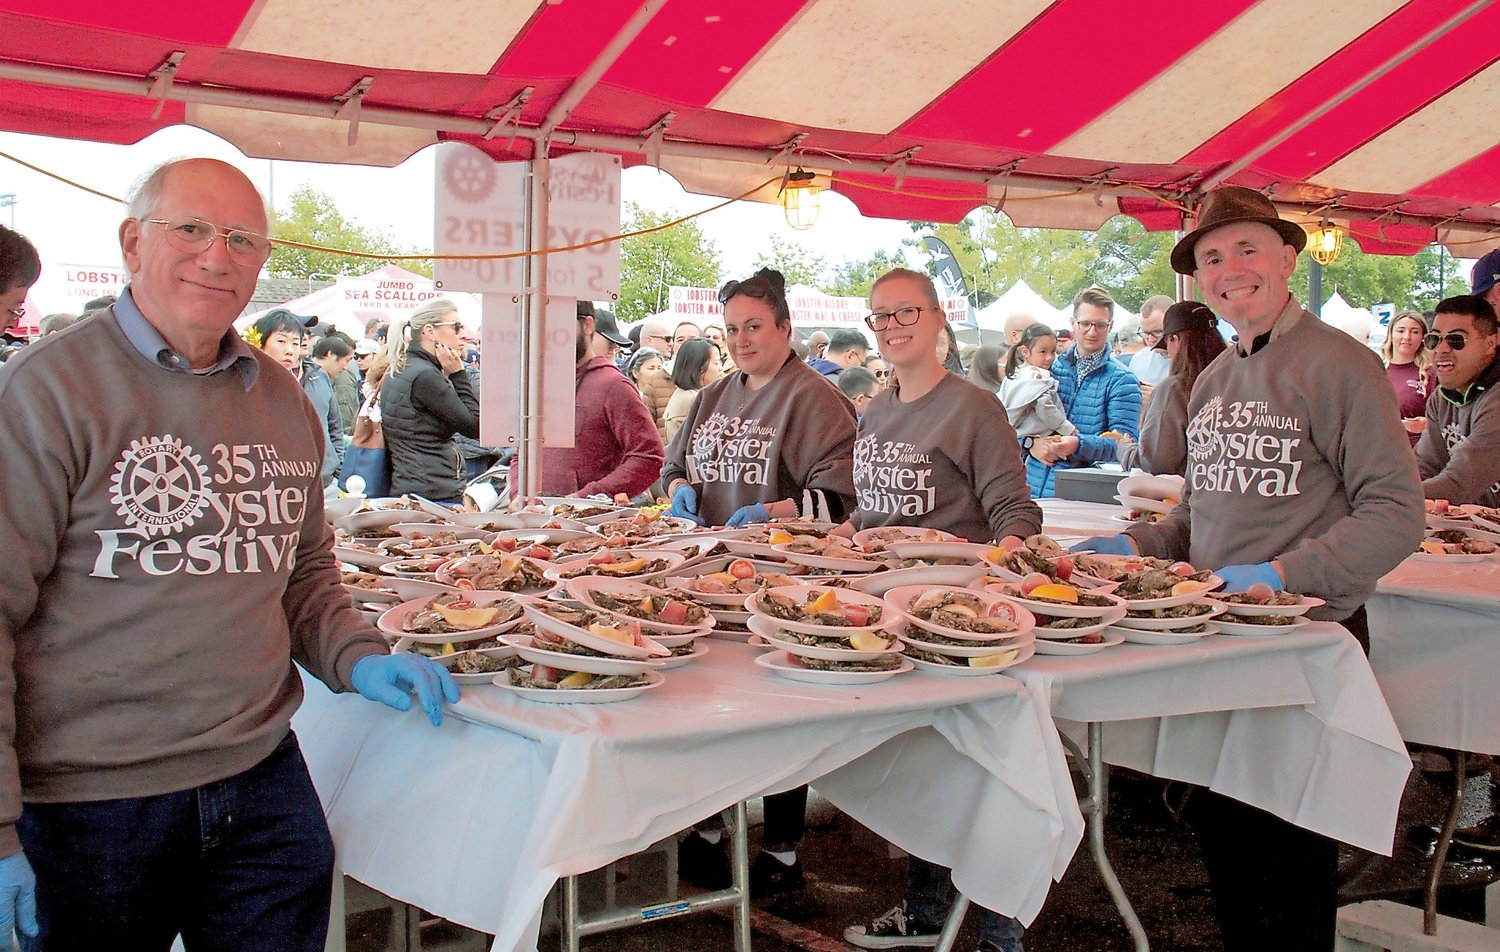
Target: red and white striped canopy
[1060, 112]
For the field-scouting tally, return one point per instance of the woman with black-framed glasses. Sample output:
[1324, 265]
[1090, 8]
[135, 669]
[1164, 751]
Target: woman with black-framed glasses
[425, 400]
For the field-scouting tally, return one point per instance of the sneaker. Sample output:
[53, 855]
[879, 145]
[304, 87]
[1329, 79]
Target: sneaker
[702, 863]
[769, 876]
[893, 930]
[1483, 836]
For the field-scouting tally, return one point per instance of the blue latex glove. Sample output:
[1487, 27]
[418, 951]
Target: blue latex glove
[1106, 545]
[17, 897]
[1237, 578]
[755, 512]
[390, 679]
[685, 504]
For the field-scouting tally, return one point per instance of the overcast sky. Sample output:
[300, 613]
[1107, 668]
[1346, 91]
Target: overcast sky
[72, 228]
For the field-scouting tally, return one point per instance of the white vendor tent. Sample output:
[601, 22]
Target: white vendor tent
[388, 293]
[1019, 298]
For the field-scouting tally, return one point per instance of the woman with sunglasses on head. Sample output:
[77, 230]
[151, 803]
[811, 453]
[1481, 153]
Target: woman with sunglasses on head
[1408, 366]
[759, 440]
[1190, 337]
[425, 400]
[936, 452]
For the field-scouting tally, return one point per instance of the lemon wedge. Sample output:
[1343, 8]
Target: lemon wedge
[778, 537]
[867, 641]
[449, 648]
[827, 602]
[466, 617]
[1056, 592]
[612, 633]
[996, 554]
[993, 660]
[1189, 587]
[578, 679]
[622, 568]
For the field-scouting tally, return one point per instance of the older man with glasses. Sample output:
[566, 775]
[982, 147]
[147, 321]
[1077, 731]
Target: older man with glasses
[169, 560]
[1098, 394]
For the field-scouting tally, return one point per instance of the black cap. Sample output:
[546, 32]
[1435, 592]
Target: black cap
[306, 320]
[1185, 316]
[604, 323]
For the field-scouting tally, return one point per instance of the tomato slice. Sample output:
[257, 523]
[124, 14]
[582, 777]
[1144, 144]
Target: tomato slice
[858, 615]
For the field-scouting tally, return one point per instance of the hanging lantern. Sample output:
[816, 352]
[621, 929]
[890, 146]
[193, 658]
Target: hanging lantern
[799, 198]
[1325, 242]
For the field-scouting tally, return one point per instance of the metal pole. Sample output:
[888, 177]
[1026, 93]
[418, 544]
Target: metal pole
[1442, 271]
[1314, 286]
[533, 324]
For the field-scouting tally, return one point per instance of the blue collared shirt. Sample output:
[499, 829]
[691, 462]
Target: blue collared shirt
[233, 351]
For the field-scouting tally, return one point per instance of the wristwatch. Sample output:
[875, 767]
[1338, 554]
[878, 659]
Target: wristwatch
[1026, 442]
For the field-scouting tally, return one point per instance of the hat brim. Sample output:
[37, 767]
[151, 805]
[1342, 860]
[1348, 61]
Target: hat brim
[619, 339]
[1182, 252]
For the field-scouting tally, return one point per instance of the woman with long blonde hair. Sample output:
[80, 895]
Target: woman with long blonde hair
[426, 399]
[1409, 369]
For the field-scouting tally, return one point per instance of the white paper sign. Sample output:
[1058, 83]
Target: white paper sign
[479, 209]
[500, 371]
[68, 287]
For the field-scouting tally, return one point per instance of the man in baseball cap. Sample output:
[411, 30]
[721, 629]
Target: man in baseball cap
[1299, 477]
[1485, 279]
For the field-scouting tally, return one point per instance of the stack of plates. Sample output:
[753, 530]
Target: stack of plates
[1243, 618]
[791, 658]
[1063, 641]
[643, 659]
[956, 652]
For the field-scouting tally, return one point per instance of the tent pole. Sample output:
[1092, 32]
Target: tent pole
[533, 325]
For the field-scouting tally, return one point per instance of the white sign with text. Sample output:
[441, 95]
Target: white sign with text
[480, 207]
[500, 371]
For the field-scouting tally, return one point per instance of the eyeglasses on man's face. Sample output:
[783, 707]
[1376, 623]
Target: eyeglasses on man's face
[194, 236]
[16, 312]
[1453, 339]
[1089, 327]
[903, 316]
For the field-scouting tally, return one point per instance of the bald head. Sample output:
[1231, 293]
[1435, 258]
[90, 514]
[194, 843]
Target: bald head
[817, 343]
[1015, 326]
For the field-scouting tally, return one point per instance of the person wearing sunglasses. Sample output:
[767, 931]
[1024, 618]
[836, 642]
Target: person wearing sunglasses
[773, 440]
[425, 400]
[1459, 452]
[878, 366]
[20, 266]
[934, 451]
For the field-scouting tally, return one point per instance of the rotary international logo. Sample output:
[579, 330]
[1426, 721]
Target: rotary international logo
[160, 485]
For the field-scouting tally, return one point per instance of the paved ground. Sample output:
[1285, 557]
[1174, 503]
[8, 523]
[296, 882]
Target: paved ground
[851, 877]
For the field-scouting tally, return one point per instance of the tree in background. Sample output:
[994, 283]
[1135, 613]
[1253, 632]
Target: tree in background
[853, 277]
[797, 264]
[650, 264]
[1365, 280]
[312, 218]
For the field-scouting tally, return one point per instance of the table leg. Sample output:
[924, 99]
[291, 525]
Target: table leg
[739, 860]
[1440, 850]
[953, 923]
[569, 914]
[1094, 812]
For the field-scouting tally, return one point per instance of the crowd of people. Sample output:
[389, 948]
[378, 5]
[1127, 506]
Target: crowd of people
[176, 493]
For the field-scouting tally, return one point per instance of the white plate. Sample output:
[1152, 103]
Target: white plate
[1063, 610]
[580, 695]
[379, 519]
[997, 605]
[1141, 636]
[786, 666]
[731, 615]
[969, 551]
[837, 563]
[677, 661]
[877, 538]
[449, 661]
[802, 594]
[1479, 520]
[423, 530]
[337, 507]
[564, 661]
[548, 537]
[583, 590]
[1451, 559]
[361, 558]
[391, 621]
[913, 636]
[413, 568]
[452, 548]
[1307, 604]
[1246, 629]
[588, 639]
[1078, 578]
[958, 576]
[1151, 487]
[370, 595]
[1142, 504]
[1057, 634]
[448, 573]
[1169, 601]
[1215, 609]
[673, 559]
[769, 634]
[1047, 646]
[409, 588]
[1023, 654]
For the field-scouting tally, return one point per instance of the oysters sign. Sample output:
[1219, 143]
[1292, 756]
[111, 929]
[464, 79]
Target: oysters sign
[479, 210]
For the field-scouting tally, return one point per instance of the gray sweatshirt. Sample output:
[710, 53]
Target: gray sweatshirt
[1459, 452]
[166, 559]
[740, 446]
[1163, 444]
[1297, 453]
[948, 460]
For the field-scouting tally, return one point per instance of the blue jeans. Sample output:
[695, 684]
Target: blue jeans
[929, 892]
[241, 864]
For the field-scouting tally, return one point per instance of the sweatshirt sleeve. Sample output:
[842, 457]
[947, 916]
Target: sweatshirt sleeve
[1049, 410]
[1473, 465]
[328, 636]
[1122, 413]
[640, 445]
[335, 425]
[820, 445]
[450, 399]
[1163, 443]
[999, 475]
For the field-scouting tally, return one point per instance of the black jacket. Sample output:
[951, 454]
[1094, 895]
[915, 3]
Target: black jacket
[421, 409]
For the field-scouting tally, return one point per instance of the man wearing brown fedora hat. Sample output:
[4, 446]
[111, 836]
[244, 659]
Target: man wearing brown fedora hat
[1296, 479]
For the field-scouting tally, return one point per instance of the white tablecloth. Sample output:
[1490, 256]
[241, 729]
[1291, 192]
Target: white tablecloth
[476, 823]
[1292, 724]
[1435, 646]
